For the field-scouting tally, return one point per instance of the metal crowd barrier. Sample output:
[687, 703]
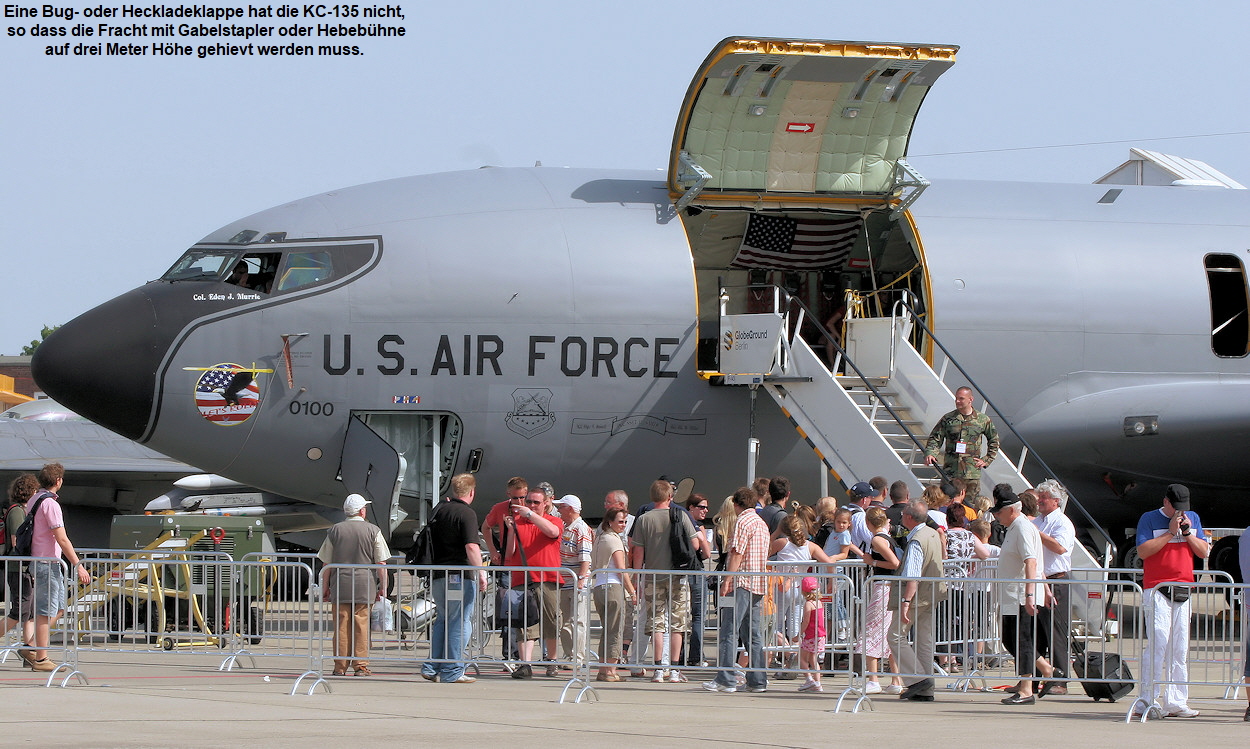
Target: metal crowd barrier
[27, 593]
[414, 635]
[1214, 650]
[175, 601]
[970, 648]
[844, 590]
[190, 603]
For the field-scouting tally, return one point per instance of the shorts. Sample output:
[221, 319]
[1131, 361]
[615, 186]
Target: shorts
[548, 625]
[49, 588]
[668, 603]
[812, 645]
[20, 583]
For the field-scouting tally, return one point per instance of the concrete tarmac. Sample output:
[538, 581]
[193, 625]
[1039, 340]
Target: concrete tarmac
[157, 700]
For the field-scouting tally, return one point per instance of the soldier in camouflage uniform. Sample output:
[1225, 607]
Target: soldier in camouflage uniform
[962, 430]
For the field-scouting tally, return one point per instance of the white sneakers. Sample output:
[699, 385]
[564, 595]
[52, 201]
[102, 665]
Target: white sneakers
[1184, 712]
[716, 686]
[672, 676]
[872, 687]
[811, 686]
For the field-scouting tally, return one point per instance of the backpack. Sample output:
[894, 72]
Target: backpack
[684, 555]
[26, 531]
[422, 551]
[4, 531]
[894, 547]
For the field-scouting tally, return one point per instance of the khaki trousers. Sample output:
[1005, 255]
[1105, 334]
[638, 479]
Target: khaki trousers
[351, 635]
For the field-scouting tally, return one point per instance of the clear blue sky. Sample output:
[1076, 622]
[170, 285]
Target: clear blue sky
[113, 166]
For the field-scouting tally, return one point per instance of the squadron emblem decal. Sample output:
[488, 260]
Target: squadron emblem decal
[227, 394]
[531, 412]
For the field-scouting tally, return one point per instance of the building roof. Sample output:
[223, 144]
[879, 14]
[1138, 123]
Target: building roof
[1153, 168]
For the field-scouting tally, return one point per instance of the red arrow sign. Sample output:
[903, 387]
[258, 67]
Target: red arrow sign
[800, 127]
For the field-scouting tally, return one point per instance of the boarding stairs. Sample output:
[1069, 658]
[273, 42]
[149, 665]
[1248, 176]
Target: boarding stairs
[874, 417]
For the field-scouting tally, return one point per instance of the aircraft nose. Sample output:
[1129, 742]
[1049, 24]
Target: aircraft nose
[102, 364]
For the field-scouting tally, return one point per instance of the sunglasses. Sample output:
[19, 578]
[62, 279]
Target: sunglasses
[534, 501]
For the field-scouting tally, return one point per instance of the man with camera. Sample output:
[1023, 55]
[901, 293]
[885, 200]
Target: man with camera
[533, 540]
[1168, 539]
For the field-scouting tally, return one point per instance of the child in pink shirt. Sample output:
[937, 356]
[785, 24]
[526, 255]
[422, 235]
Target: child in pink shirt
[813, 629]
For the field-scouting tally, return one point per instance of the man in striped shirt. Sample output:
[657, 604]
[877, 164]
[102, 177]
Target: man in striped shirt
[740, 596]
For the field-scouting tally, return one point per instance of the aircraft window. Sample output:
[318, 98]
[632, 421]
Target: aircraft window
[305, 269]
[310, 267]
[201, 265]
[1230, 311]
[255, 271]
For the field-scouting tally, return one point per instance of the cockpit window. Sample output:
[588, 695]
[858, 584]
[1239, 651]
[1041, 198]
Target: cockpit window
[201, 265]
[256, 271]
[277, 268]
[305, 269]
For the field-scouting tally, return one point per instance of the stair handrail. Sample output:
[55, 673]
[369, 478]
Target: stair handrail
[902, 304]
[783, 298]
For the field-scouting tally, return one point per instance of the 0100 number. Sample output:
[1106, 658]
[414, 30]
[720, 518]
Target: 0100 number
[311, 408]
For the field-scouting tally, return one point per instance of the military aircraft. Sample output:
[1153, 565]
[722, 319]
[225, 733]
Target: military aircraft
[108, 474]
[566, 324]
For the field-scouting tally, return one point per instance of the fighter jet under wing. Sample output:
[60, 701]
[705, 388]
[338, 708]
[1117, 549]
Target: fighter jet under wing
[107, 474]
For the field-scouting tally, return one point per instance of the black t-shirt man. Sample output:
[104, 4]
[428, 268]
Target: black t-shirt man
[453, 526]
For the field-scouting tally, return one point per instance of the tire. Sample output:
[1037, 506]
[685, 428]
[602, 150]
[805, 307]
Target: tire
[1224, 557]
[252, 623]
[1129, 558]
[126, 614]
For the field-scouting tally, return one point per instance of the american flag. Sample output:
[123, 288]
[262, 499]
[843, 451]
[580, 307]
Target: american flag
[211, 402]
[781, 243]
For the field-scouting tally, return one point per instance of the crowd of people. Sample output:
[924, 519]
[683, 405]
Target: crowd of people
[653, 577]
[761, 535]
[756, 537]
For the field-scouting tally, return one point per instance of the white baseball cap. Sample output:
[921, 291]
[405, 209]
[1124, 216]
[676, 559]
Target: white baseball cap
[570, 500]
[354, 504]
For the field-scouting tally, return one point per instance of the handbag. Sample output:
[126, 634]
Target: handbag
[520, 606]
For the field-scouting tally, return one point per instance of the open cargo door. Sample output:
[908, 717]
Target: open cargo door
[797, 121]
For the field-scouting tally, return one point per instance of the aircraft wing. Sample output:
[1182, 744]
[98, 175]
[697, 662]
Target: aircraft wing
[82, 447]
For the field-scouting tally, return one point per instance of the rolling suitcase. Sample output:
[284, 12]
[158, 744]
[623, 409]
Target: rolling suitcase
[1102, 666]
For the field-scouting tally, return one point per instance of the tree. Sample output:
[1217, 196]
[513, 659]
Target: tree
[43, 336]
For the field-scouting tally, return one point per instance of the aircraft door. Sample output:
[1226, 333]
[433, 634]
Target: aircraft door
[800, 121]
[371, 467]
[430, 442]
